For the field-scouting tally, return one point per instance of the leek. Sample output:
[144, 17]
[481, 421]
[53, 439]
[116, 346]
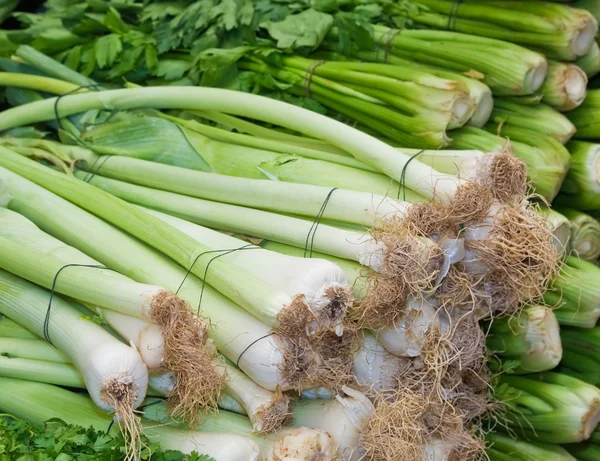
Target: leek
[550, 408]
[585, 234]
[39, 257]
[37, 403]
[315, 279]
[344, 418]
[575, 292]
[303, 200]
[269, 360]
[61, 374]
[502, 447]
[31, 349]
[558, 31]
[292, 231]
[114, 373]
[581, 356]
[581, 188]
[374, 367]
[529, 341]
[564, 87]
[264, 299]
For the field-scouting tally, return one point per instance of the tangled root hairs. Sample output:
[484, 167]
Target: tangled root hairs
[504, 175]
[520, 250]
[121, 392]
[198, 383]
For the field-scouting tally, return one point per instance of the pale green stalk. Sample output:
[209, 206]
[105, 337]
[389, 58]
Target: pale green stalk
[419, 178]
[292, 231]
[297, 199]
[590, 63]
[11, 329]
[586, 117]
[31, 349]
[584, 451]
[61, 374]
[581, 354]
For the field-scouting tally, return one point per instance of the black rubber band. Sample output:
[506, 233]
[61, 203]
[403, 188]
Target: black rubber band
[223, 252]
[94, 86]
[237, 362]
[310, 72]
[401, 183]
[453, 15]
[47, 319]
[93, 170]
[310, 237]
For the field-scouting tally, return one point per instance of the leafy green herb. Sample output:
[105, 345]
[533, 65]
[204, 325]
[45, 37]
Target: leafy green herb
[58, 441]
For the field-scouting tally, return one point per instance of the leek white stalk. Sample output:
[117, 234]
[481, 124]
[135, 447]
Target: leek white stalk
[374, 367]
[270, 360]
[406, 337]
[266, 409]
[33, 254]
[323, 284]
[293, 231]
[114, 373]
[419, 177]
[289, 443]
[297, 199]
[344, 418]
[37, 403]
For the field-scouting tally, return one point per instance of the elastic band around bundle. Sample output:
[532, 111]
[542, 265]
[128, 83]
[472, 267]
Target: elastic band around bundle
[222, 253]
[47, 319]
[310, 72]
[310, 237]
[402, 182]
[453, 15]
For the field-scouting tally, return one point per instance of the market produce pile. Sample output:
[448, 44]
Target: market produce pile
[314, 230]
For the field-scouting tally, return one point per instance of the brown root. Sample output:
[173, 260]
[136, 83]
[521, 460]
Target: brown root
[383, 303]
[198, 383]
[504, 174]
[471, 202]
[411, 266]
[519, 249]
[276, 414]
[299, 318]
[121, 393]
[337, 357]
[300, 364]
